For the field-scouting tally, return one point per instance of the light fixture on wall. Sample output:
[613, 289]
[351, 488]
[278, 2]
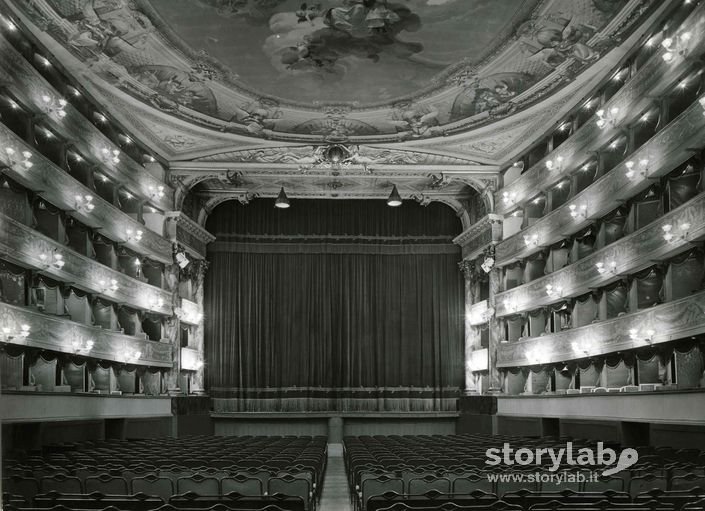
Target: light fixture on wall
[394, 199]
[554, 291]
[282, 201]
[702, 103]
[531, 240]
[578, 211]
[676, 45]
[538, 354]
[604, 268]
[108, 286]
[54, 261]
[133, 235]
[156, 302]
[110, 156]
[608, 117]
[17, 160]
[509, 198]
[83, 203]
[641, 170]
[510, 305]
[646, 336]
[130, 356]
[556, 164]
[8, 333]
[670, 236]
[82, 346]
[53, 105]
[156, 192]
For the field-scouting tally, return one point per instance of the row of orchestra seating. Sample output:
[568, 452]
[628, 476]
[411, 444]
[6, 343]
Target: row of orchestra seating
[400, 472]
[170, 470]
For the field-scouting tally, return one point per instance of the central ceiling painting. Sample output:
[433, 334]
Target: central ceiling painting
[357, 51]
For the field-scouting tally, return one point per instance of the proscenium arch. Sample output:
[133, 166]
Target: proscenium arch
[207, 208]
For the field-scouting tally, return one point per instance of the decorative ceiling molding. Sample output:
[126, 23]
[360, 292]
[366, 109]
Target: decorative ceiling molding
[547, 45]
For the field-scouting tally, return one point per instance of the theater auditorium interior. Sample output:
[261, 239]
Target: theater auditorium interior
[234, 278]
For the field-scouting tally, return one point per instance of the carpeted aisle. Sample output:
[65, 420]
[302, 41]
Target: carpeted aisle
[336, 496]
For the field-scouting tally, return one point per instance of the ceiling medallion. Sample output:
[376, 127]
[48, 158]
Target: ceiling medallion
[336, 157]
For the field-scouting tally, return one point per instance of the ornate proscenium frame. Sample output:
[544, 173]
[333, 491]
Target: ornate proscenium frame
[335, 157]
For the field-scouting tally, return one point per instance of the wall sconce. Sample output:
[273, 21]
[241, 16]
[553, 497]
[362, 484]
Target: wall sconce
[643, 168]
[82, 346]
[538, 355]
[556, 164]
[18, 160]
[605, 118]
[554, 292]
[155, 302]
[532, 240]
[55, 262]
[107, 286]
[582, 349]
[611, 267]
[9, 333]
[109, 156]
[509, 198]
[669, 235]
[675, 45]
[130, 356]
[156, 193]
[578, 211]
[133, 235]
[54, 105]
[647, 337]
[510, 305]
[702, 103]
[84, 203]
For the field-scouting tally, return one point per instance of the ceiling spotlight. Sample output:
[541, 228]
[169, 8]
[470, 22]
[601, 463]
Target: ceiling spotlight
[282, 200]
[394, 199]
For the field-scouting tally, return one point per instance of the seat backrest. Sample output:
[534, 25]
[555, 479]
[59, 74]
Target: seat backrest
[198, 484]
[420, 485]
[379, 486]
[288, 485]
[26, 487]
[106, 484]
[250, 486]
[468, 484]
[60, 483]
[153, 485]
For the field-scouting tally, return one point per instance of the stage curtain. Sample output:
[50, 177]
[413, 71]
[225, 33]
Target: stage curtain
[342, 300]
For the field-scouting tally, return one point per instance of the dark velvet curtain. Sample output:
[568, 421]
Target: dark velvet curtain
[330, 296]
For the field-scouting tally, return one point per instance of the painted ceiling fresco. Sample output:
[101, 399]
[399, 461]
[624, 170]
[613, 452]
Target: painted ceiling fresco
[337, 69]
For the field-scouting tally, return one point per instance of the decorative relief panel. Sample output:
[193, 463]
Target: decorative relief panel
[673, 320]
[667, 149]
[28, 86]
[650, 81]
[631, 253]
[476, 238]
[58, 334]
[59, 188]
[181, 229]
[22, 243]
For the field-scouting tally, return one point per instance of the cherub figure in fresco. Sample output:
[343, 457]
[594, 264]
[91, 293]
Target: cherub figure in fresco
[416, 121]
[492, 94]
[308, 12]
[255, 117]
[553, 39]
